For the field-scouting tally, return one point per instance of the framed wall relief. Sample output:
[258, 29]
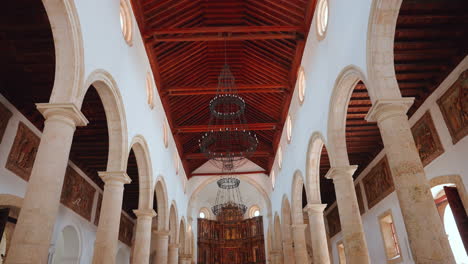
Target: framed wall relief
[77, 194]
[357, 188]
[98, 209]
[427, 140]
[5, 115]
[23, 152]
[378, 183]
[454, 107]
[333, 219]
[126, 230]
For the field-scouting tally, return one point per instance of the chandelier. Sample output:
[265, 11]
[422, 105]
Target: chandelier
[228, 196]
[228, 142]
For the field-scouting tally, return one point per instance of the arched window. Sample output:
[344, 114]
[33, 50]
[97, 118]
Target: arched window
[322, 18]
[165, 134]
[288, 128]
[301, 84]
[254, 211]
[149, 90]
[204, 213]
[280, 157]
[126, 22]
[176, 163]
[273, 179]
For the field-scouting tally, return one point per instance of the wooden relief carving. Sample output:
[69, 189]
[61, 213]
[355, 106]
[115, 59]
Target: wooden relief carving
[77, 194]
[126, 230]
[333, 219]
[454, 107]
[426, 139]
[23, 152]
[5, 115]
[359, 198]
[98, 209]
[378, 183]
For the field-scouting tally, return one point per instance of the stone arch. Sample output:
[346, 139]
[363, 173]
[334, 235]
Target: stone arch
[182, 237]
[160, 190]
[314, 150]
[296, 197]
[69, 54]
[277, 236]
[452, 179]
[173, 223]
[111, 99]
[286, 219]
[145, 172]
[68, 246]
[336, 134]
[380, 58]
[12, 201]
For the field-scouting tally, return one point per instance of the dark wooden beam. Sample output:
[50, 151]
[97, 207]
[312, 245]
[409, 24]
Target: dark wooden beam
[218, 37]
[229, 29]
[204, 128]
[257, 154]
[226, 173]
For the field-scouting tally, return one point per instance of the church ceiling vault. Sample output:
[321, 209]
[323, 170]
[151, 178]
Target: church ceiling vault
[185, 42]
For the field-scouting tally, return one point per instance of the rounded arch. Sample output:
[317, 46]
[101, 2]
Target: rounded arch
[314, 150]
[12, 201]
[277, 236]
[455, 180]
[68, 246]
[111, 99]
[252, 210]
[68, 43]
[173, 223]
[336, 134]
[296, 193]
[286, 219]
[145, 172]
[182, 236]
[160, 190]
[206, 212]
[380, 58]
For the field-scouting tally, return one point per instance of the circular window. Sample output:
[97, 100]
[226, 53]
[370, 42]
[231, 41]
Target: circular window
[149, 90]
[322, 18]
[126, 22]
[302, 85]
[165, 136]
[288, 128]
[202, 215]
[280, 157]
[273, 179]
[254, 211]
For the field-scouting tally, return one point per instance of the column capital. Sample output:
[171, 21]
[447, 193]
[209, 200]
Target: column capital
[315, 208]
[110, 177]
[340, 172]
[144, 213]
[68, 112]
[383, 109]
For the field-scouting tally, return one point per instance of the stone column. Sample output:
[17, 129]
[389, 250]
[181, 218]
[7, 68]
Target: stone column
[107, 235]
[350, 218]
[185, 259]
[428, 241]
[143, 235]
[173, 254]
[300, 247]
[275, 257]
[318, 233]
[288, 252]
[162, 245]
[34, 228]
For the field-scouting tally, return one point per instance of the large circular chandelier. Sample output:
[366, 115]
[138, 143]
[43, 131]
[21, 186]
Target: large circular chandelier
[228, 142]
[228, 196]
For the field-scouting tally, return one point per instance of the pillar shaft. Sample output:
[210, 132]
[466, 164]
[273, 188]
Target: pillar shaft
[33, 232]
[143, 235]
[173, 254]
[107, 235]
[288, 252]
[427, 238]
[300, 247]
[350, 217]
[318, 233]
[162, 246]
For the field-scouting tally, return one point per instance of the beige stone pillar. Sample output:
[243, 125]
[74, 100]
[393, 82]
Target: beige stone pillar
[318, 233]
[32, 237]
[162, 246]
[275, 257]
[350, 218]
[173, 254]
[107, 235]
[288, 252]
[185, 259]
[143, 235]
[428, 241]
[300, 247]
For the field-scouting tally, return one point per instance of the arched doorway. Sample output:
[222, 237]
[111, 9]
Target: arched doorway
[67, 247]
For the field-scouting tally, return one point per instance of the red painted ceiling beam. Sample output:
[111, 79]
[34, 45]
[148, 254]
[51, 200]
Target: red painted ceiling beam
[204, 128]
[231, 29]
[197, 156]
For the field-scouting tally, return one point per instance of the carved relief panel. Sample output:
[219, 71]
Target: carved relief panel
[426, 139]
[77, 194]
[333, 220]
[23, 152]
[5, 115]
[378, 183]
[125, 230]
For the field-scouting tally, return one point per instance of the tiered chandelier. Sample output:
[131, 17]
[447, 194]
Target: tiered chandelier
[228, 143]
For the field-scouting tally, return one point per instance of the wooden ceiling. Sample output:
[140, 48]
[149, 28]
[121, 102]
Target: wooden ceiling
[186, 42]
[431, 39]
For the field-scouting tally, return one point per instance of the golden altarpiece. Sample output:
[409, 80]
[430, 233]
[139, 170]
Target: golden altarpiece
[231, 239]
